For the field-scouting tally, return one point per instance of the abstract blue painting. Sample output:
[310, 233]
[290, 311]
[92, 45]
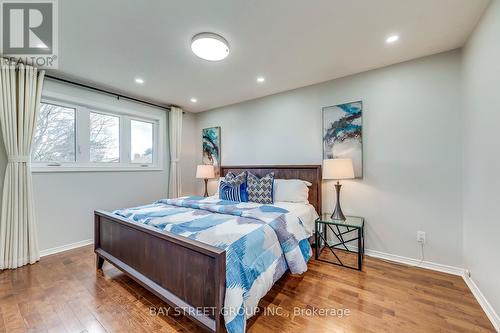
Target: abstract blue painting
[211, 148]
[342, 134]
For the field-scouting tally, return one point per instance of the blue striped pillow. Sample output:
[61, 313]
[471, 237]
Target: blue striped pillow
[236, 192]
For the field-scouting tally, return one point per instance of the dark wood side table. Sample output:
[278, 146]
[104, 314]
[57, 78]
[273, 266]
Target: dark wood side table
[344, 232]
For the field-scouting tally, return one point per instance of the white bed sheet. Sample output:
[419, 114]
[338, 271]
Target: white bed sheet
[305, 211]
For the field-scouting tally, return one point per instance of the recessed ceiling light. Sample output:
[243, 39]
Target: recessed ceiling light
[392, 39]
[139, 80]
[210, 46]
[261, 79]
[194, 100]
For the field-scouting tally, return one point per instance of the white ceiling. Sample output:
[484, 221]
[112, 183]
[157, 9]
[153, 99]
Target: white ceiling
[293, 43]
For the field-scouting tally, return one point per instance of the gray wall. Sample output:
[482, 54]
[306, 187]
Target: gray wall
[65, 202]
[412, 149]
[481, 76]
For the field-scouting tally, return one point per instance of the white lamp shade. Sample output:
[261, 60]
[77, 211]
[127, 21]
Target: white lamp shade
[205, 171]
[338, 168]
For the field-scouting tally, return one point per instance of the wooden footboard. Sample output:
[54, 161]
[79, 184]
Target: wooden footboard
[188, 275]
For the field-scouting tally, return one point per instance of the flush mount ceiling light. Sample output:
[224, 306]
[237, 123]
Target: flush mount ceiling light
[139, 80]
[392, 39]
[194, 100]
[261, 79]
[210, 46]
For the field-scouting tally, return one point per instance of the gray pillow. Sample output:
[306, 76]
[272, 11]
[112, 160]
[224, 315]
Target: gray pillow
[233, 179]
[260, 190]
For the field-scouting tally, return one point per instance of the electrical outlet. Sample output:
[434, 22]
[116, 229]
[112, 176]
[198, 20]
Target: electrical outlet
[421, 237]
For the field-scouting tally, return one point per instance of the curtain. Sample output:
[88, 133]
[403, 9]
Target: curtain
[175, 138]
[20, 92]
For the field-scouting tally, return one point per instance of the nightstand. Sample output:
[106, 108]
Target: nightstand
[344, 232]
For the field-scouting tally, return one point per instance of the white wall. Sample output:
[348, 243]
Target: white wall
[481, 77]
[65, 202]
[412, 149]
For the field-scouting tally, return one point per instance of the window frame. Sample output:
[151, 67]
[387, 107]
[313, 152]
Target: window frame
[82, 162]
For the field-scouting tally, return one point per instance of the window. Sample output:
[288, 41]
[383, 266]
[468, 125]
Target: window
[54, 138]
[73, 136]
[141, 134]
[104, 138]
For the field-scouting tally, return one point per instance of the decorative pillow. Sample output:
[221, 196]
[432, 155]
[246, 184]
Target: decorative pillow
[233, 192]
[233, 179]
[291, 190]
[260, 190]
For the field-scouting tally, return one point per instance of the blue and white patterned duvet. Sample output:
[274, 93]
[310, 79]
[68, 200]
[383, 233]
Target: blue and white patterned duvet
[261, 243]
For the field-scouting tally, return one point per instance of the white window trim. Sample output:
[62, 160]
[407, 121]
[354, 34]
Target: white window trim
[83, 108]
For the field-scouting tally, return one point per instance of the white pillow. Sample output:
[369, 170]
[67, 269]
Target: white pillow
[291, 190]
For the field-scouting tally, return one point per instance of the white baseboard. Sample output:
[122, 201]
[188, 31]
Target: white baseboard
[410, 261]
[67, 247]
[487, 308]
[416, 262]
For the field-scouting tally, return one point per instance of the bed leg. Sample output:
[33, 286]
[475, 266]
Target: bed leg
[99, 262]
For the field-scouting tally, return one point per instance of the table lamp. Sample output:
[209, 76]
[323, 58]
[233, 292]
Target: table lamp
[338, 168]
[205, 172]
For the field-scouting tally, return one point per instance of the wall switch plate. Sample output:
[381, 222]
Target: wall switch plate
[421, 237]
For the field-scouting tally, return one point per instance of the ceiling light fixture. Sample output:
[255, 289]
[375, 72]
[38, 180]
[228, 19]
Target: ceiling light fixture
[139, 80]
[210, 46]
[261, 79]
[194, 100]
[392, 39]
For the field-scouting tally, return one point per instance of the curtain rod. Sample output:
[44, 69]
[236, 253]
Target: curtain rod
[107, 92]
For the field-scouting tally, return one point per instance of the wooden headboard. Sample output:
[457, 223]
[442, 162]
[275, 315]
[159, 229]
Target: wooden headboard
[310, 173]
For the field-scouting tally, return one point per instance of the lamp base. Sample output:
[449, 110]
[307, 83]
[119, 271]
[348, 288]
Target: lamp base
[206, 188]
[337, 213]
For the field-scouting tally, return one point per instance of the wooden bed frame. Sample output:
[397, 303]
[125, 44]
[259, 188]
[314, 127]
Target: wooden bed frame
[186, 274]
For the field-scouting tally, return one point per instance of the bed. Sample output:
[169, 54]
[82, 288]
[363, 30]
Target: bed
[191, 274]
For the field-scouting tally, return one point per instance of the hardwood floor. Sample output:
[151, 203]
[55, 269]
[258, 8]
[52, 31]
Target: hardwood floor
[64, 293]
